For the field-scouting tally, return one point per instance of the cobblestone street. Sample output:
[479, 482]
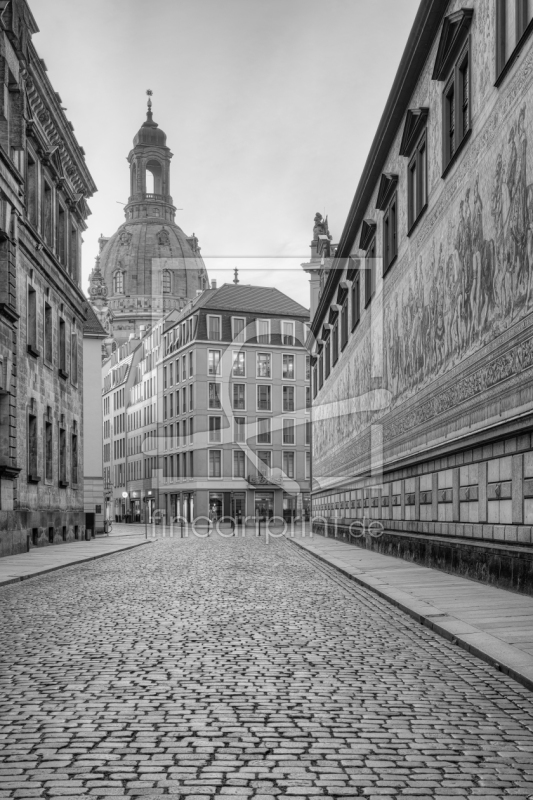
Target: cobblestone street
[224, 667]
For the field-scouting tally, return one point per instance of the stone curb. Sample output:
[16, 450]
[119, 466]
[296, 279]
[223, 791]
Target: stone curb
[9, 581]
[448, 627]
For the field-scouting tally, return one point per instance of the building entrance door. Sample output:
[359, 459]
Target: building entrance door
[264, 504]
[238, 507]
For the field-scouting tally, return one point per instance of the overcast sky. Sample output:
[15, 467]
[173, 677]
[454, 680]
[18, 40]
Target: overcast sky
[269, 107]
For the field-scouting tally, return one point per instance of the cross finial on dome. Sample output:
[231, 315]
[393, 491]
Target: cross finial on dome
[149, 112]
[236, 278]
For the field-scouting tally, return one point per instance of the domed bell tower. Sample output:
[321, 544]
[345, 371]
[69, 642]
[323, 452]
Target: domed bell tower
[150, 173]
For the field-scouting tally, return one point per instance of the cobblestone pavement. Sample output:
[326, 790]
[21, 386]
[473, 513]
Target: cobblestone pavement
[225, 667]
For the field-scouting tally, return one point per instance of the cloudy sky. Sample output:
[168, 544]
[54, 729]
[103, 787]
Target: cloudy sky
[269, 106]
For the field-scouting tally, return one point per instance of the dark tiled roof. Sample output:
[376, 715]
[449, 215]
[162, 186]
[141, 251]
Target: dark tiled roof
[92, 325]
[250, 299]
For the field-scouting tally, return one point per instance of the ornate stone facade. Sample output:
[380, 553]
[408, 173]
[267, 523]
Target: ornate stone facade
[442, 353]
[44, 186]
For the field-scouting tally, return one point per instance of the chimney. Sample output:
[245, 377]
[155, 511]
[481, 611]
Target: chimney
[213, 284]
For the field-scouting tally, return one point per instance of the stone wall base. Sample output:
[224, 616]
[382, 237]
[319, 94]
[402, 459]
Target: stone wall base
[20, 529]
[501, 565]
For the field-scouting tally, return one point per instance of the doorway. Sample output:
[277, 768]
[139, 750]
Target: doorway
[238, 506]
[264, 504]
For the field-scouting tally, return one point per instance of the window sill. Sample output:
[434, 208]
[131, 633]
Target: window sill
[33, 351]
[457, 153]
[417, 220]
[514, 55]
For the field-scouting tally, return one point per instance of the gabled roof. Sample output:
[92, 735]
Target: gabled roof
[245, 299]
[92, 325]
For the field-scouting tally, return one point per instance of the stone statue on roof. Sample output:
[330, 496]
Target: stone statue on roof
[321, 226]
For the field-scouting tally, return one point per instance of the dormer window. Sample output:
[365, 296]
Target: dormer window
[452, 66]
[167, 281]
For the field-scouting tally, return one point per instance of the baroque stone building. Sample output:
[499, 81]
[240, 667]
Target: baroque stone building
[423, 332]
[44, 186]
[149, 266]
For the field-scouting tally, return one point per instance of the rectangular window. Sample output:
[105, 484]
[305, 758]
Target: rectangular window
[327, 357]
[456, 102]
[287, 333]
[288, 464]
[264, 369]
[264, 430]
[62, 456]
[61, 234]
[265, 462]
[177, 395]
[288, 398]
[308, 465]
[239, 428]
[191, 370]
[512, 20]
[239, 464]
[264, 397]
[356, 300]
[308, 368]
[74, 358]
[215, 429]
[164, 407]
[308, 431]
[170, 405]
[263, 331]
[213, 362]
[31, 190]
[238, 325]
[239, 364]
[321, 369]
[417, 182]
[32, 320]
[344, 325]
[239, 396]
[214, 332]
[48, 231]
[215, 461]
[74, 458]
[62, 347]
[177, 370]
[191, 430]
[184, 368]
[73, 252]
[370, 273]
[32, 446]
[48, 450]
[307, 397]
[170, 375]
[214, 396]
[335, 344]
[390, 234]
[191, 397]
[164, 377]
[48, 332]
[288, 431]
[288, 367]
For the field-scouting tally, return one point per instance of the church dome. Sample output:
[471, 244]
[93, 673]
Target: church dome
[149, 266]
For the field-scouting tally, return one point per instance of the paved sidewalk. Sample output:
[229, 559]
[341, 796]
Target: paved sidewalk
[47, 559]
[493, 624]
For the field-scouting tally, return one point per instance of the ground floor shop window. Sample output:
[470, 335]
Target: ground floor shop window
[216, 506]
[264, 504]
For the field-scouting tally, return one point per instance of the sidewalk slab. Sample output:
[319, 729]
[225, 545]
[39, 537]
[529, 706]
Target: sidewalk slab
[493, 624]
[41, 560]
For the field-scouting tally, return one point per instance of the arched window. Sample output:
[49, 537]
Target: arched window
[167, 282]
[118, 282]
[154, 177]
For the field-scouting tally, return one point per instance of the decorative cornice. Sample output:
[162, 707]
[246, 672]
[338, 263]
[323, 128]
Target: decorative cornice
[415, 122]
[387, 187]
